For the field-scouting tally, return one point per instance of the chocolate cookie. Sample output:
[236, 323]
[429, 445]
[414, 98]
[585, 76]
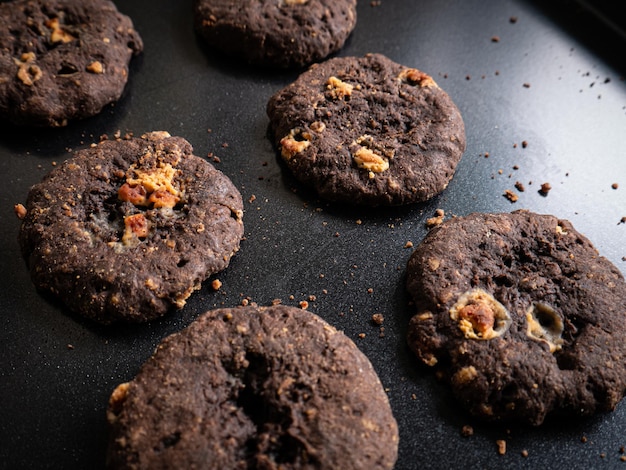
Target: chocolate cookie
[521, 315]
[368, 131]
[249, 387]
[127, 229]
[62, 59]
[279, 33]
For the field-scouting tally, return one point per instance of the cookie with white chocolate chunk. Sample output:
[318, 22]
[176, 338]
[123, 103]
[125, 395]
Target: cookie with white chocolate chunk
[277, 33]
[62, 59]
[368, 131]
[127, 229]
[521, 315]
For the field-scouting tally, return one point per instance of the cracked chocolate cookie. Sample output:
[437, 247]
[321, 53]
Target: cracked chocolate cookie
[127, 229]
[62, 59]
[368, 131]
[277, 33]
[253, 387]
[521, 315]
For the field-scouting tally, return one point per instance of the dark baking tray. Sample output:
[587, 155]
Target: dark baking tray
[551, 76]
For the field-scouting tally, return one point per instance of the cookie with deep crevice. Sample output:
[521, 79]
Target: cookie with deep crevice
[368, 131]
[253, 387]
[127, 229]
[277, 33]
[62, 60]
[521, 315]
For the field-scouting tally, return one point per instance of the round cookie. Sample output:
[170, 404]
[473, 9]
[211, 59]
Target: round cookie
[62, 59]
[127, 229]
[278, 33]
[253, 387]
[521, 316]
[368, 131]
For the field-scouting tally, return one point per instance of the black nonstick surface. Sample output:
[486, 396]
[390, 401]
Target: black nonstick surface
[551, 78]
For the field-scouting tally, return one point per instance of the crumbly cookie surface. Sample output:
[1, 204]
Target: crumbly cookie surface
[277, 33]
[127, 229]
[254, 387]
[368, 131]
[62, 60]
[521, 315]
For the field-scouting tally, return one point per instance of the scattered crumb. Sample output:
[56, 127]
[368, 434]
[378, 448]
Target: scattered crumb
[303, 304]
[245, 302]
[20, 211]
[378, 319]
[361, 335]
[252, 198]
[501, 443]
[623, 458]
[519, 186]
[467, 431]
[615, 186]
[376, 3]
[370, 290]
[413, 396]
[513, 19]
[524, 144]
[277, 302]
[437, 219]
[495, 38]
[583, 439]
[408, 244]
[70, 346]
[622, 221]
[510, 195]
[216, 284]
[545, 189]
[526, 85]
[524, 453]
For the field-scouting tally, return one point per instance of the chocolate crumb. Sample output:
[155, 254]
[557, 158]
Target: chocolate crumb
[524, 144]
[526, 85]
[519, 186]
[495, 38]
[216, 284]
[467, 431]
[378, 319]
[20, 211]
[615, 186]
[524, 453]
[513, 19]
[622, 221]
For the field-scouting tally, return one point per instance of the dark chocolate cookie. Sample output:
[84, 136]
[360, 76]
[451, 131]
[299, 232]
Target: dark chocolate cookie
[521, 315]
[279, 33]
[249, 387]
[62, 59]
[368, 131]
[126, 229]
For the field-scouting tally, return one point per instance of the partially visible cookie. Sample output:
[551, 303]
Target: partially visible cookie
[62, 59]
[521, 316]
[249, 387]
[278, 33]
[368, 131]
[127, 229]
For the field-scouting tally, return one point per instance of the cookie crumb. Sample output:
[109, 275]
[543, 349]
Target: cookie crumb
[615, 186]
[519, 186]
[513, 19]
[467, 431]
[20, 211]
[70, 346]
[216, 284]
[495, 38]
[277, 302]
[361, 335]
[378, 319]
[526, 85]
[436, 220]
[524, 453]
[583, 439]
[501, 443]
[408, 244]
[510, 195]
[303, 304]
[545, 189]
